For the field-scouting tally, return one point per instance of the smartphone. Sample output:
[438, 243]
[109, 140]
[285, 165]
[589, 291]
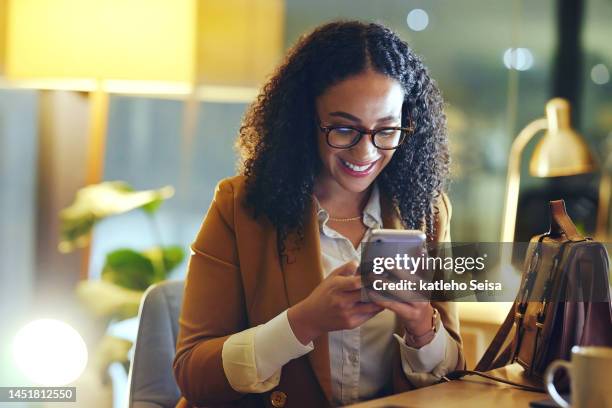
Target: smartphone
[411, 237]
[388, 256]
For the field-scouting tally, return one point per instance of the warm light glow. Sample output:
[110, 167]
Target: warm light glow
[520, 59]
[211, 42]
[600, 74]
[240, 41]
[50, 352]
[417, 20]
[561, 151]
[109, 39]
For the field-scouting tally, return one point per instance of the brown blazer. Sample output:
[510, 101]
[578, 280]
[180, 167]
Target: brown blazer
[237, 280]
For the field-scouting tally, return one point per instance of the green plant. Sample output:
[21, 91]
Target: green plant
[98, 201]
[126, 273]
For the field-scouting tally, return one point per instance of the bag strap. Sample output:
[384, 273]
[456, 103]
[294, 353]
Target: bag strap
[455, 375]
[498, 341]
[545, 301]
[519, 304]
[561, 223]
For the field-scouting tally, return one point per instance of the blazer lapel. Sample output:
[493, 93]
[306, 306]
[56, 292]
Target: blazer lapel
[303, 273]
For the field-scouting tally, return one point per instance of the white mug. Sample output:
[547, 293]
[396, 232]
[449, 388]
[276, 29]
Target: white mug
[589, 374]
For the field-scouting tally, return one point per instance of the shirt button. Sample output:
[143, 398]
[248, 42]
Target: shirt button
[353, 357]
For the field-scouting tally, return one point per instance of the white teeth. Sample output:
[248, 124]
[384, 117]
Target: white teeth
[357, 168]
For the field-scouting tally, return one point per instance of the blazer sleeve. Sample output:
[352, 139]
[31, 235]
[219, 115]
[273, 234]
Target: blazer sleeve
[213, 306]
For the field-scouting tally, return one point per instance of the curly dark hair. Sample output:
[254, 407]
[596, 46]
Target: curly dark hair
[278, 144]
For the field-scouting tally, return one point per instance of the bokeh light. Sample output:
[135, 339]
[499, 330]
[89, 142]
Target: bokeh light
[50, 352]
[520, 59]
[417, 20]
[600, 74]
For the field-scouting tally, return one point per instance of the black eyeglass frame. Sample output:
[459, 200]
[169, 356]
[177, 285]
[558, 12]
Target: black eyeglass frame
[405, 131]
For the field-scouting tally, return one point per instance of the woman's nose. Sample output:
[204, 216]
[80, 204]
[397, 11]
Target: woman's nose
[365, 149]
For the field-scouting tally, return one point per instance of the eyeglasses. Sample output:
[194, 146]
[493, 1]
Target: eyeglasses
[345, 137]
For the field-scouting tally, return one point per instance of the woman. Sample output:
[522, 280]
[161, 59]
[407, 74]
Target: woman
[348, 135]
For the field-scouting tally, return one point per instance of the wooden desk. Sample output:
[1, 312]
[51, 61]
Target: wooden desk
[465, 393]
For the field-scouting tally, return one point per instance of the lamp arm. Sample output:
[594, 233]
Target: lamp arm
[514, 176]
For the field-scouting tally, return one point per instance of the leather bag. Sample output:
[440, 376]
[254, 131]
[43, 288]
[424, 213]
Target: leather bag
[563, 300]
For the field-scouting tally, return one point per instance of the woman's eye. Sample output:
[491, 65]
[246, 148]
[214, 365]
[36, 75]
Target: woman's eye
[387, 132]
[345, 131]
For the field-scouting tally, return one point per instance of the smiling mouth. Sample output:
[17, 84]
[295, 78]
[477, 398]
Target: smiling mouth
[355, 168]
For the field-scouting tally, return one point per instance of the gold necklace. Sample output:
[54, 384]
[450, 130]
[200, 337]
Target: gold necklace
[349, 219]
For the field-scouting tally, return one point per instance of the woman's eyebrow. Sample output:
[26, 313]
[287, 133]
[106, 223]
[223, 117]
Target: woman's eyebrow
[345, 115]
[387, 118]
[353, 118]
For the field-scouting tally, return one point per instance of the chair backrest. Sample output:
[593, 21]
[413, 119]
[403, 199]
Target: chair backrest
[151, 379]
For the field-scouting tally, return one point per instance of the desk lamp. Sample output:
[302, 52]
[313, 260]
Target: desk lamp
[560, 152]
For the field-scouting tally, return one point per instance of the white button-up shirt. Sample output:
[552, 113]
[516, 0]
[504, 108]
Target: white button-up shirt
[360, 359]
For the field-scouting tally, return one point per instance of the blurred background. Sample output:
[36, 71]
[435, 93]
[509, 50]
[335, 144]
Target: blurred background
[140, 102]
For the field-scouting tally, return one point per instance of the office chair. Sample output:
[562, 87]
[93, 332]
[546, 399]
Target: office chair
[151, 379]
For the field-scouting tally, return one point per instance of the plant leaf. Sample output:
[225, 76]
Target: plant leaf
[138, 270]
[173, 256]
[129, 269]
[152, 207]
[165, 259]
[97, 201]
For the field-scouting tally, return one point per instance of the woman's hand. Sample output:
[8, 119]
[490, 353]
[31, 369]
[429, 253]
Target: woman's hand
[335, 304]
[415, 311]
[416, 317]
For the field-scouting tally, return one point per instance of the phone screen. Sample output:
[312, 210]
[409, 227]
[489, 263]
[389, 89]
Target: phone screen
[390, 259]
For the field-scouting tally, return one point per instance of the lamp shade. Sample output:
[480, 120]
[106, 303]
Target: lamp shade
[3, 22]
[225, 42]
[561, 151]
